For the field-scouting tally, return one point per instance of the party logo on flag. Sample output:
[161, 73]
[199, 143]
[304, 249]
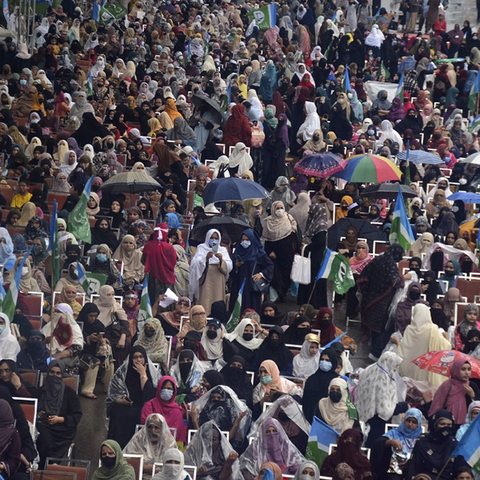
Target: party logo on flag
[265, 17]
[335, 267]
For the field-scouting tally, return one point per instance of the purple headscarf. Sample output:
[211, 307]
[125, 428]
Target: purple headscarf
[72, 143]
[397, 111]
[282, 132]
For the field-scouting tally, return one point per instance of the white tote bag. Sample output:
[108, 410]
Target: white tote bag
[301, 272]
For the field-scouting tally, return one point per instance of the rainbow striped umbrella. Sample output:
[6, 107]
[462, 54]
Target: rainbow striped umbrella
[369, 168]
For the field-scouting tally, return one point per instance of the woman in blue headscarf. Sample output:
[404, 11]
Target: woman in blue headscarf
[252, 264]
[268, 83]
[392, 451]
[7, 257]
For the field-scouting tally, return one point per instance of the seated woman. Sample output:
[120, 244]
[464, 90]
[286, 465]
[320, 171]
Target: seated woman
[236, 377]
[221, 405]
[271, 445]
[10, 442]
[59, 414]
[9, 347]
[391, 452]
[297, 331]
[164, 403]
[173, 466]
[269, 470]
[65, 336]
[97, 353]
[151, 441]
[336, 410]
[329, 331]
[431, 451]
[101, 262]
[469, 322]
[348, 451]
[11, 380]
[290, 416]
[270, 314]
[472, 413]
[133, 269]
[133, 384]
[244, 339]
[307, 361]
[187, 373]
[273, 348]
[34, 355]
[216, 345]
[272, 386]
[68, 296]
[171, 320]
[212, 454]
[153, 340]
[113, 464]
[457, 393]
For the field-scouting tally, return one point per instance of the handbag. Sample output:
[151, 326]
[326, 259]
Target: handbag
[301, 268]
[259, 286]
[258, 137]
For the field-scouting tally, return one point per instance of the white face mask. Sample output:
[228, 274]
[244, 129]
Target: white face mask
[280, 212]
[171, 470]
[24, 271]
[462, 181]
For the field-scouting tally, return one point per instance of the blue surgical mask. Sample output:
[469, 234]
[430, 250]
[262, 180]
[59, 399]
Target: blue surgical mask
[266, 379]
[23, 82]
[325, 366]
[245, 243]
[102, 257]
[2, 328]
[212, 242]
[166, 394]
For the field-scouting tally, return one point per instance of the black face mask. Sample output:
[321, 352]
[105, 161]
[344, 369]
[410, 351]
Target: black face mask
[188, 345]
[247, 336]
[471, 345]
[235, 373]
[212, 334]
[335, 397]
[283, 417]
[149, 333]
[185, 370]
[275, 342]
[414, 295]
[304, 331]
[325, 323]
[109, 462]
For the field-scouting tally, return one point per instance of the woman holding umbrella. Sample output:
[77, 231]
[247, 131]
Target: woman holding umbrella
[252, 264]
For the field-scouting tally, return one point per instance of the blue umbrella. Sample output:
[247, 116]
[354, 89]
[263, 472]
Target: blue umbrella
[232, 189]
[467, 197]
[419, 156]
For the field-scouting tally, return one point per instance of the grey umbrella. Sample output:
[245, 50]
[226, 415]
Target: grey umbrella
[199, 98]
[131, 182]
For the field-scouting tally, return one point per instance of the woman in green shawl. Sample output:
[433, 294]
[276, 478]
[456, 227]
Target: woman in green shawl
[114, 467]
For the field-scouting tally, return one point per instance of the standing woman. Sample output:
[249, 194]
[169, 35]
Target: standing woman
[59, 414]
[208, 271]
[280, 235]
[252, 264]
[133, 384]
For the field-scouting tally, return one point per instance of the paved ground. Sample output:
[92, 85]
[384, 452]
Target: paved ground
[92, 428]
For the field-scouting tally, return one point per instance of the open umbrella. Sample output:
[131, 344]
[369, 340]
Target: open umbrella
[449, 60]
[130, 182]
[419, 156]
[440, 361]
[198, 98]
[232, 189]
[388, 190]
[321, 165]
[473, 159]
[370, 169]
[365, 230]
[229, 228]
[467, 197]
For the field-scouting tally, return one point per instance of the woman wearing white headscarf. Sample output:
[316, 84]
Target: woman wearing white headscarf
[256, 111]
[447, 190]
[375, 38]
[98, 67]
[311, 123]
[307, 361]
[69, 163]
[173, 466]
[9, 347]
[120, 68]
[7, 257]
[208, 271]
[389, 133]
[239, 160]
[300, 211]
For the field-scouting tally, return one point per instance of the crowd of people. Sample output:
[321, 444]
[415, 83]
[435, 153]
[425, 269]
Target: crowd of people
[224, 379]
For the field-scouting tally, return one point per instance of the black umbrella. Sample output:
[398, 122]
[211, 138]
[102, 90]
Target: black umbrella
[365, 230]
[198, 98]
[388, 190]
[131, 182]
[230, 227]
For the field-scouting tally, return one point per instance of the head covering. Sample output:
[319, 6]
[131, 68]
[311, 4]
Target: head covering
[53, 390]
[276, 228]
[406, 436]
[121, 469]
[108, 306]
[156, 346]
[304, 363]
[175, 470]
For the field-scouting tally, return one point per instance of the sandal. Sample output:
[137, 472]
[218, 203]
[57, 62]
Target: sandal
[91, 396]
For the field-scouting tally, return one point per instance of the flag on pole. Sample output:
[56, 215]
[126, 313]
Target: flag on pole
[189, 48]
[474, 124]
[6, 12]
[469, 445]
[346, 81]
[401, 231]
[110, 12]
[78, 224]
[90, 282]
[95, 11]
[145, 311]
[10, 301]
[237, 311]
[319, 441]
[383, 72]
[407, 171]
[400, 89]
[473, 94]
[89, 85]
[335, 267]
[265, 17]
[53, 245]
[3, 294]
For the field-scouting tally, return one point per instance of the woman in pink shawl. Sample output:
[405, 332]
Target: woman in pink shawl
[304, 38]
[455, 394]
[164, 403]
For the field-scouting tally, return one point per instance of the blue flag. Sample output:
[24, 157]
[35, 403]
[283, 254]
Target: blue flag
[6, 13]
[400, 89]
[319, 441]
[469, 445]
[346, 81]
[96, 11]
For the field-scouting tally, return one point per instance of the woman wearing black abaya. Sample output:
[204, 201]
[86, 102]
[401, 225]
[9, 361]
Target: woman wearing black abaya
[316, 387]
[89, 129]
[59, 414]
[298, 329]
[236, 377]
[133, 384]
[339, 123]
[412, 122]
[102, 234]
[211, 151]
[273, 348]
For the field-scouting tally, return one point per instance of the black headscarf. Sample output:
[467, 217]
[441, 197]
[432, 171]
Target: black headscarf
[211, 151]
[89, 129]
[35, 355]
[106, 237]
[238, 379]
[295, 335]
[89, 328]
[213, 378]
[133, 377]
[53, 390]
[275, 320]
[275, 350]
[316, 387]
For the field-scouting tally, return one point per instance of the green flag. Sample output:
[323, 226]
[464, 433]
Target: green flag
[336, 267]
[110, 12]
[237, 311]
[145, 310]
[319, 441]
[383, 72]
[78, 224]
[265, 17]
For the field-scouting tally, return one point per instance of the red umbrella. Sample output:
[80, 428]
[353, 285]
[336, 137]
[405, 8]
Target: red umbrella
[439, 361]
